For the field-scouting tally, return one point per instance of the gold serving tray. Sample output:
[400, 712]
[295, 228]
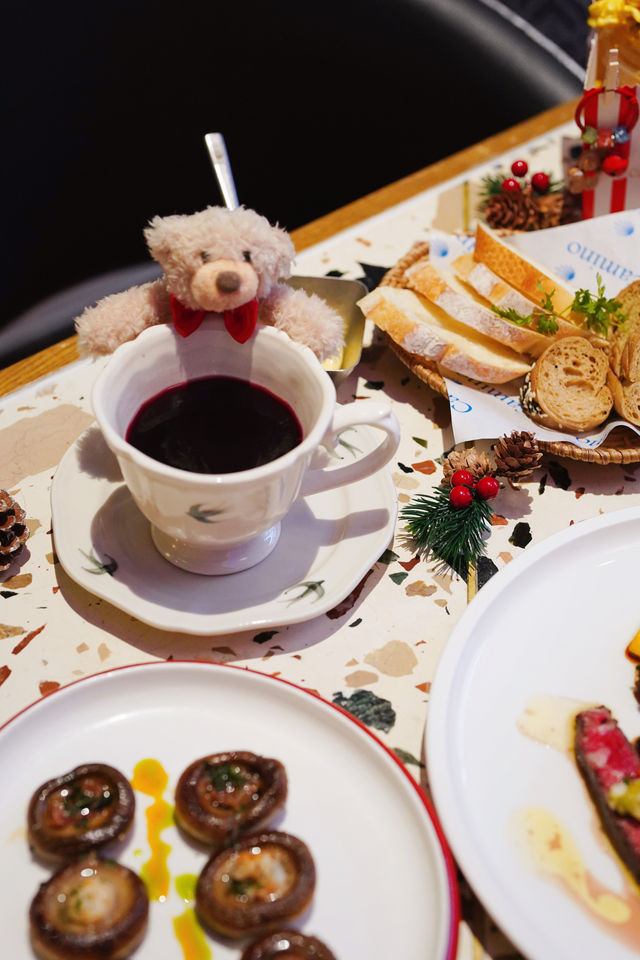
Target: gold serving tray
[342, 295]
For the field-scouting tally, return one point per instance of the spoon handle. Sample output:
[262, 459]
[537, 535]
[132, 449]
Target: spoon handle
[222, 168]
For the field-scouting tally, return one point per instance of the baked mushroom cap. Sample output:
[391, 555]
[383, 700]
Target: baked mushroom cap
[79, 811]
[90, 910]
[260, 882]
[287, 945]
[222, 796]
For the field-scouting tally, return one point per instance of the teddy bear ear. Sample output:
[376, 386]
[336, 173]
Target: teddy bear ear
[283, 251]
[160, 236]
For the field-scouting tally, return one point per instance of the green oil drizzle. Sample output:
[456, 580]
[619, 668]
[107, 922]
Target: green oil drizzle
[186, 886]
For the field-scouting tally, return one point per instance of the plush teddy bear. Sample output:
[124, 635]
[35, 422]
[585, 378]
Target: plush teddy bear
[230, 262]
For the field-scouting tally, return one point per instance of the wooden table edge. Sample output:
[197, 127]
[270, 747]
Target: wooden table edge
[60, 354]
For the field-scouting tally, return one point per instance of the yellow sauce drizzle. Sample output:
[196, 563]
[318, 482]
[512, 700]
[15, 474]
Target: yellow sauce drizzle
[190, 936]
[551, 720]
[188, 931]
[150, 777]
[553, 850]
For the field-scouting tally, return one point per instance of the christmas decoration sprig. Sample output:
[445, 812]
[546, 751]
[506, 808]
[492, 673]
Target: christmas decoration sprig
[450, 534]
[450, 523]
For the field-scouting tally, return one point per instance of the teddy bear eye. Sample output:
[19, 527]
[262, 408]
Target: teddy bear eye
[247, 256]
[204, 256]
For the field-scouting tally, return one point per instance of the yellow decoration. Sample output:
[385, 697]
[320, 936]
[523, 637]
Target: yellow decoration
[606, 13]
[190, 936]
[150, 777]
[633, 650]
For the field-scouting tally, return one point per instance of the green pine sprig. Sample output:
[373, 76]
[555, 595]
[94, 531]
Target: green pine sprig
[440, 530]
[491, 185]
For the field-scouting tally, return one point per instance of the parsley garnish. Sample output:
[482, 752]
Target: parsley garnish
[599, 312]
[544, 322]
[227, 775]
[241, 888]
[81, 804]
[508, 313]
[546, 301]
[547, 323]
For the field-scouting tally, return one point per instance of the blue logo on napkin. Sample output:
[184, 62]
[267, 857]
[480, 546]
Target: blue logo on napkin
[565, 271]
[624, 227]
[438, 248]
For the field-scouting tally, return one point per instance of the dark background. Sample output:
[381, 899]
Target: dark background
[319, 104]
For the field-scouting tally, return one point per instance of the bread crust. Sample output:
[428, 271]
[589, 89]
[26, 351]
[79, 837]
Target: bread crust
[520, 271]
[626, 398]
[625, 342]
[502, 294]
[426, 334]
[447, 292]
[569, 384]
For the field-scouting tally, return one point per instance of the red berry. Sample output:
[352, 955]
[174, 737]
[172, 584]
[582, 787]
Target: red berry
[460, 497]
[509, 184]
[540, 182]
[487, 488]
[461, 478]
[519, 168]
[614, 164]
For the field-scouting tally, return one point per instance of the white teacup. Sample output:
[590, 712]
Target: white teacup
[226, 522]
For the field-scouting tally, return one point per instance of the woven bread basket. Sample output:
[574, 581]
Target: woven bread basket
[621, 446]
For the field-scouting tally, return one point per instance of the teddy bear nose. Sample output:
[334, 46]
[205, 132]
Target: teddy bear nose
[228, 281]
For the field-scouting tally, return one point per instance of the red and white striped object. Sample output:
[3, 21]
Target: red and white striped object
[612, 194]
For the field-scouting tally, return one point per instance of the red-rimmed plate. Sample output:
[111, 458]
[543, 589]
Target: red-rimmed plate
[386, 884]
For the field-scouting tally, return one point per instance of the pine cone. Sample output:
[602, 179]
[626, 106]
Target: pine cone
[517, 455]
[512, 210]
[13, 530]
[548, 208]
[478, 464]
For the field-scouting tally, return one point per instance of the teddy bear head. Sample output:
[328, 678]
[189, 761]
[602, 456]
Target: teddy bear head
[219, 259]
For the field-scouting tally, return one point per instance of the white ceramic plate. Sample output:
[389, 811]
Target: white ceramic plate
[327, 544]
[385, 883]
[555, 623]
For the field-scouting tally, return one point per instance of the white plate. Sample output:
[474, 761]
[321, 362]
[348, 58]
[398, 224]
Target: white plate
[327, 544]
[385, 883]
[555, 623]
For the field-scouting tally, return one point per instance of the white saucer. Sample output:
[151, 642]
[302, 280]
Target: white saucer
[328, 542]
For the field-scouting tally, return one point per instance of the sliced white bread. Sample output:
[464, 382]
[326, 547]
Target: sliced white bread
[501, 294]
[569, 384]
[626, 398]
[625, 342]
[527, 275]
[427, 332]
[443, 289]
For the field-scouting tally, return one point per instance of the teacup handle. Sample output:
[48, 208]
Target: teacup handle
[367, 412]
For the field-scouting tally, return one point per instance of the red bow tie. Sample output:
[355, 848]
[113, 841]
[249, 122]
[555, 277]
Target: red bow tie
[240, 322]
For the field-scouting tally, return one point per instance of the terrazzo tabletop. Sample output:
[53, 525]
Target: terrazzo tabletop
[374, 652]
